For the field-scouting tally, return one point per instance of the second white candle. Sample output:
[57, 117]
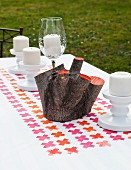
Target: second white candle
[52, 45]
[31, 56]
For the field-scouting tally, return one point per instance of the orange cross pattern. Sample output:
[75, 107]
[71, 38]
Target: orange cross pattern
[103, 143]
[37, 111]
[72, 150]
[19, 90]
[102, 113]
[34, 106]
[128, 132]
[30, 102]
[96, 136]
[7, 75]
[63, 142]
[58, 134]
[98, 108]
[82, 123]
[25, 98]
[12, 80]
[22, 94]
[46, 121]
[54, 151]
[89, 129]
[15, 87]
[40, 116]
[53, 127]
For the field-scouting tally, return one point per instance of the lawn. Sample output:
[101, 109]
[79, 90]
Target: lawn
[98, 30]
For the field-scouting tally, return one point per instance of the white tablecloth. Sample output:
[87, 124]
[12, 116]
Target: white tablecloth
[24, 147]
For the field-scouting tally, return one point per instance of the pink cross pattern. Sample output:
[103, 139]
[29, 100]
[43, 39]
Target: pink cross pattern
[10, 97]
[91, 115]
[70, 125]
[21, 77]
[17, 105]
[36, 95]
[81, 138]
[48, 144]
[7, 93]
[21, 110]
[29, 120]
[43, 137]
[38, 98]
[94, 119]
[36, 131]
[88, 145]
[33, 125]
[25, 114]
[117, 137]
[76, 131]
[109, 131]
[108, 106]
[14, 101]
[98, 99]
[5, 90]
[103, 102]
[2, 86]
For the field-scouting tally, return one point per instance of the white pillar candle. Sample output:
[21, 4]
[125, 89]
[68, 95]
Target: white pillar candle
[52, 45]
[120, 84]
[31, 56]
[20, 42]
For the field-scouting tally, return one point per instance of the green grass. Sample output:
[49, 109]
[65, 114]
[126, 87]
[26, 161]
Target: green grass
[98, 30]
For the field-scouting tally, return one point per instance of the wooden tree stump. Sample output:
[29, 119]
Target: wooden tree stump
[68, 95]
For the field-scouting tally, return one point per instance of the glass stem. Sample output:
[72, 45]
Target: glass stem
[53, 64]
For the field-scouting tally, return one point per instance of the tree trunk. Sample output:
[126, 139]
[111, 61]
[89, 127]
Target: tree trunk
[67, 95]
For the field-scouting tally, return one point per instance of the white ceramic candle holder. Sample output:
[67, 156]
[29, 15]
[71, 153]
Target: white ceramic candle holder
[29, 83]
[119, 117]
[16, 69]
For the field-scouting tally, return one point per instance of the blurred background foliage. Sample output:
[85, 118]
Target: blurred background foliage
[98, 30]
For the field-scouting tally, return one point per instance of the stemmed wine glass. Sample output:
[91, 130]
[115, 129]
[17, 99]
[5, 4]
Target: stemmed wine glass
[52, 38]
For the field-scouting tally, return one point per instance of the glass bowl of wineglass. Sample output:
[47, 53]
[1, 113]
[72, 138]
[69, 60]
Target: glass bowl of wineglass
[52, 38]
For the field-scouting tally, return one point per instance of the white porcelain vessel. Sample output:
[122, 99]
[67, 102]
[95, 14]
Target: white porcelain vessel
[17, 69]
[29, 83]
[119, 116]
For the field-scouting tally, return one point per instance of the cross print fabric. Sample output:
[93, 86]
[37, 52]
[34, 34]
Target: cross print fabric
[54, 137]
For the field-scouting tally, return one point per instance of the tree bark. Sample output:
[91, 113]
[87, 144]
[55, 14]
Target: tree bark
[67, 95]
